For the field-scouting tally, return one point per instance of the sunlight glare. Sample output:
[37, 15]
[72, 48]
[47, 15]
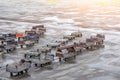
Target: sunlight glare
[53, 0]
[103, 1]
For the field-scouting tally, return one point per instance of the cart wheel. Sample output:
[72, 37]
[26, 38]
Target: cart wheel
[35, 65]
[41, 65]
[11, 74]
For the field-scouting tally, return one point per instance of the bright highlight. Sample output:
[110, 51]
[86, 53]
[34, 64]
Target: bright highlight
[103, 1]
[53, 0]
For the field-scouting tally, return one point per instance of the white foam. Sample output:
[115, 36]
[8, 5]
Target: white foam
[114, 26]
[59, 20]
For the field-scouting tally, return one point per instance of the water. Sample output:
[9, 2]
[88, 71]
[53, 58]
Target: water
[61, 18]
[86, 15]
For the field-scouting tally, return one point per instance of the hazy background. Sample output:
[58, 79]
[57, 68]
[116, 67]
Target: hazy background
[102, 14]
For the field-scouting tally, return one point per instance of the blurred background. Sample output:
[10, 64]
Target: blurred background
[102, 14]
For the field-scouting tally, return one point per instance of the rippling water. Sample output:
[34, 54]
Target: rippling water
[61, 18]
[76, 14]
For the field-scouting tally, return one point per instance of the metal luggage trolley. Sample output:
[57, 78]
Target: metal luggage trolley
[28, 44]
[41, 63]
[76, 34]
[90, 42]
[62, 41]
[79, 47]
[53, 44]
[95, 42]
[10, 41]
[7, 48]
[45, 49]
[10, 48]
[38, 59]
[18, 68]
[8, 38]
[32, 36]
[8, 34]
[101, 39]
[66, 53]
[69, 37]
[40, 27]
[32, 55]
